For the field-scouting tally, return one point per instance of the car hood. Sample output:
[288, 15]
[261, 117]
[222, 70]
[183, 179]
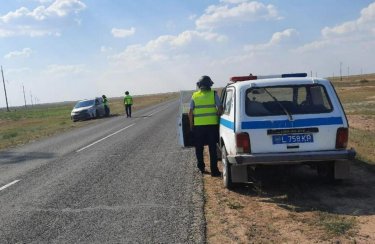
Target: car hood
[81, 109]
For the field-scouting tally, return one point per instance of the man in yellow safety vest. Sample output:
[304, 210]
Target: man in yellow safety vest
[205, 109]
[128, 102]
[106, 107]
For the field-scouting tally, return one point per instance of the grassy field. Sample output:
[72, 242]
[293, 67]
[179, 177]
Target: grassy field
[22, 125]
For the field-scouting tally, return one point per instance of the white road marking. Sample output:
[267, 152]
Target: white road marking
[157, 111]
[114, 133]
[7, 185]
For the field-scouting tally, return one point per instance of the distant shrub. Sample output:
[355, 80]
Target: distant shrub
[10, 135]
[363, 81]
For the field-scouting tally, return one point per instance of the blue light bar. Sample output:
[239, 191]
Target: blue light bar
[294, 75]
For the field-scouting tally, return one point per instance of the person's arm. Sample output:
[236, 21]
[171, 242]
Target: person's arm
[191, 122]
[218, 105]
[191, 115]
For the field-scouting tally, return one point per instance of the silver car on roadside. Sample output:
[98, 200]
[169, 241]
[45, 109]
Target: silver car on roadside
[88, 109]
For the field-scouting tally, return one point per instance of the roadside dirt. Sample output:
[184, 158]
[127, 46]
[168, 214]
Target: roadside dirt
[296, 206]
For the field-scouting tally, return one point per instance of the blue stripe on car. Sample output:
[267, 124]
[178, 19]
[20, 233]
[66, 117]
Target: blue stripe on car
[227, 123]
[291, 124]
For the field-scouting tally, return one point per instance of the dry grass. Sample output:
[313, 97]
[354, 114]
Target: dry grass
[25, 125]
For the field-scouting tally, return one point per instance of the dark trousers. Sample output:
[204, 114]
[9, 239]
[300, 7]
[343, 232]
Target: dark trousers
[206, 135]
[128, 110]
[106, 108]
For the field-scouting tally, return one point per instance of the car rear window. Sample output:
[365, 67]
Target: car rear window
[301, 99]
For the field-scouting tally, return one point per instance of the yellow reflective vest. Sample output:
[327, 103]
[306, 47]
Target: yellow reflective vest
[128, 100]
[205, 111]
[105, 101]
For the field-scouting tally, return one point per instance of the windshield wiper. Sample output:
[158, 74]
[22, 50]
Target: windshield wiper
[281, 105]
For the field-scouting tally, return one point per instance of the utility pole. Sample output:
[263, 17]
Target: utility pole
[31, 98]
[5, 90]
[340, 70]
[24, 96]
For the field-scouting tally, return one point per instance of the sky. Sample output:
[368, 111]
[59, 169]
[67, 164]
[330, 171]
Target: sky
[67, 50]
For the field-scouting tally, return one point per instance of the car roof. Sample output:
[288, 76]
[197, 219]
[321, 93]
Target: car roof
[279, 82]
[84, 100]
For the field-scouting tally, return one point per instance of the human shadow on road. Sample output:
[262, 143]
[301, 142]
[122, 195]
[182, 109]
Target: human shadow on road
[9, 157]
[300, 189]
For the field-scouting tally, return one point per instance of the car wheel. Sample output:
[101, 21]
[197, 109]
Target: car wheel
[227, 175]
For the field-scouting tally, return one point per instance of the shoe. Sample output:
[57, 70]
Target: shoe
[215, 174]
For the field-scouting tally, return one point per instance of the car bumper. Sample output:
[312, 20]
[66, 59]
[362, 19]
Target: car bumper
[81, 116]
[291, 158]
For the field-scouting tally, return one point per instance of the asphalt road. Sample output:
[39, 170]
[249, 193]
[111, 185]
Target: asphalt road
[119, 180]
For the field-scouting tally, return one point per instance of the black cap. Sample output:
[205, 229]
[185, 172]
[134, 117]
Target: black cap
[205, 82]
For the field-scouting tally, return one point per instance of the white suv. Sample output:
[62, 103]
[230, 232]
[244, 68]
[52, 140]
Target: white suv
[279, 120]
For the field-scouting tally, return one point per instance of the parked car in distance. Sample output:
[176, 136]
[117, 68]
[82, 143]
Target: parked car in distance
[88, 109]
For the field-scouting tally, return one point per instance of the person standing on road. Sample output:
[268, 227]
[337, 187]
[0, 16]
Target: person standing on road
[106, 107]
[128, 102]
[205, 109]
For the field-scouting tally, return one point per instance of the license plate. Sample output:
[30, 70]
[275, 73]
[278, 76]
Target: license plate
[288, 139]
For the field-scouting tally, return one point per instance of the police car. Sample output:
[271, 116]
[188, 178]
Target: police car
[281, 120]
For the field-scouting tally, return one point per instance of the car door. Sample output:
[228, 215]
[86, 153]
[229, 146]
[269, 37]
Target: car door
[227, 123]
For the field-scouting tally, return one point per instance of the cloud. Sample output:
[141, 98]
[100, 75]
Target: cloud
[58, 8]
[28, 31]
[276, 39]
[316, 45]
[63, 70]
[364, 23]
[25, 53]
[355, 31]
[41, 21]
[19, 70]
[105, 49]
[236, 11]
[122, 33]
[166, 47]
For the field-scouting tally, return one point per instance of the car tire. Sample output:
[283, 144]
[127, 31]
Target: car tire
[227, 174]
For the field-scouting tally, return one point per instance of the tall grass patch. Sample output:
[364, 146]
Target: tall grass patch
[337, 225]
[364, 143]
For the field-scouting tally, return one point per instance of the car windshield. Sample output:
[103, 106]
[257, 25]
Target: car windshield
[82, 104]
[301, 99]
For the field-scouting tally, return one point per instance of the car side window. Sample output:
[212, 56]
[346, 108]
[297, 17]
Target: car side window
[228, 102]
[96, 102]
